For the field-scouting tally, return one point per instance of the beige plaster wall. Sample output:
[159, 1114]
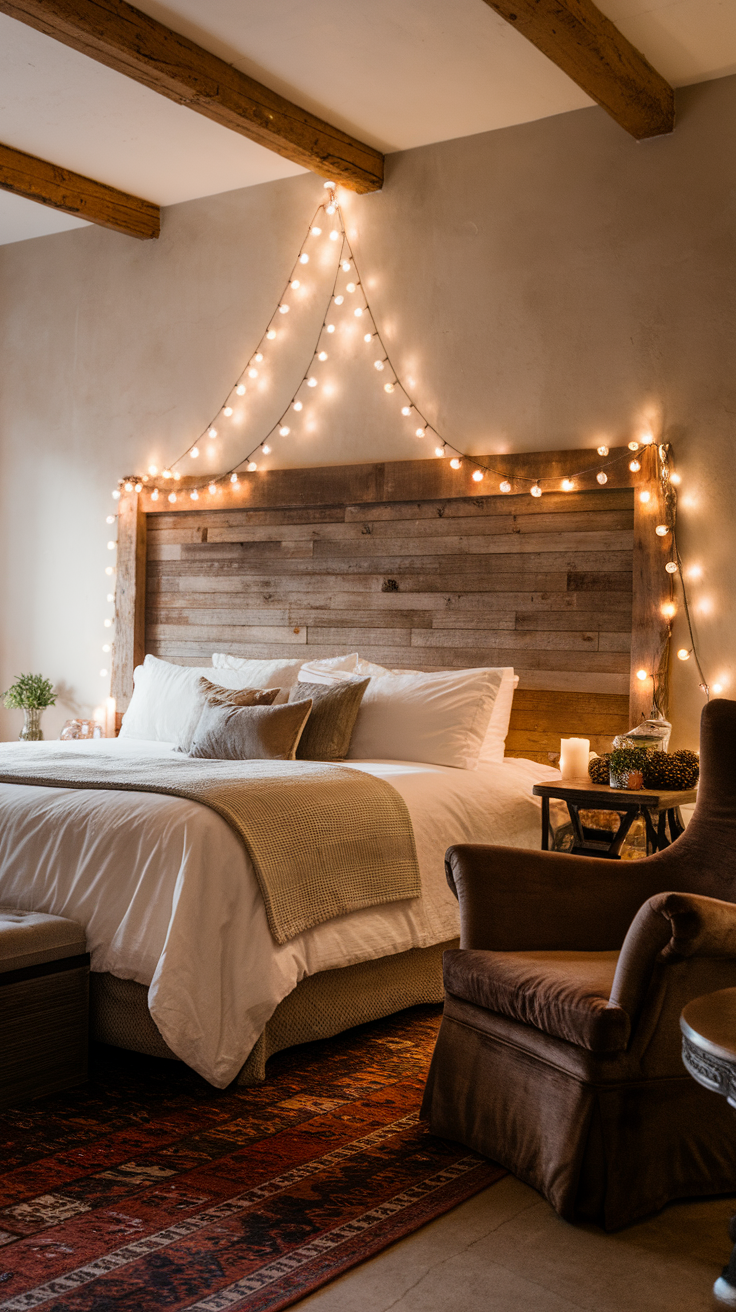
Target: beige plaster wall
[549, 285]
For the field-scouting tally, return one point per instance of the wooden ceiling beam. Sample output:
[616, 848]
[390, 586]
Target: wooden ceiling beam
[587, 46]
[116, 34]
[61, 189]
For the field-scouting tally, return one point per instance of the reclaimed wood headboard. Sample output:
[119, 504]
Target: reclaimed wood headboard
[409, 565]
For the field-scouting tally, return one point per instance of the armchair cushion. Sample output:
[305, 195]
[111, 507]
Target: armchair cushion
[564, 994]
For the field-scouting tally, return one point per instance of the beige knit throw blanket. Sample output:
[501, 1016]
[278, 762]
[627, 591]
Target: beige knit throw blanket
[323, 839]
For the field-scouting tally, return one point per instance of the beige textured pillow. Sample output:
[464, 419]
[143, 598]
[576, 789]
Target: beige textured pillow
[250, 733]
[335, 708]
[216, 695]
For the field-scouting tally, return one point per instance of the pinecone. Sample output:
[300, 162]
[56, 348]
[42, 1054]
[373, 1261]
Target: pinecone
[598, 769]
[678, 771]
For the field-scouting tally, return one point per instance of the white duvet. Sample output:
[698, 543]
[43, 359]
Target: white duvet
[168, 897]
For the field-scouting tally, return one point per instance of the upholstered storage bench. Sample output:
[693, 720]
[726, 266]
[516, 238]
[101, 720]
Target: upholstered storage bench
[44, 1004]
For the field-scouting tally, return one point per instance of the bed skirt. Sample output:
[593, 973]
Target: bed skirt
[321, 1005]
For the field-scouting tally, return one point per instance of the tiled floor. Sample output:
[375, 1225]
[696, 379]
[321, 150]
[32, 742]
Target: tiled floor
[506, 1251]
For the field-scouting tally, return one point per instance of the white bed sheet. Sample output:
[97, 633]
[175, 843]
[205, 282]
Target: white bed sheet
[168, 896]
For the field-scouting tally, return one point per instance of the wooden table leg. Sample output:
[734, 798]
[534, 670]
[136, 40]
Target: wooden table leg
[545, 824]
[725, 1286]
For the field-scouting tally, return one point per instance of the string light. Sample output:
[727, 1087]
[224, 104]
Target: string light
[266, 449]
[602, 476]
[602, 450]
[645, 496]
[284, 430]
[568, 485]
[477, 475]
[154, 494]
[505, 486]
[536, 491]
[116, 493]
[284, 309]
[661, 530]
[110, 519]
[388, 387]
[212, 489]
[153, 470]
[172, 497]
[252, 466]
[405, 410]
[455, 463]
[683, 654]
[304, 258]
[439, 450]
[271, 334]
[669, 610]
[330, 327]
[322, 356]
[111, 546]
[634, 466]
[420, 433]
[298, 405]
[194, 452]
[671, 566]
[311, 382]
[642, 675]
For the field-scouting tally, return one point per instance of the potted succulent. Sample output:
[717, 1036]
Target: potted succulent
[627, 765]
[31, 694]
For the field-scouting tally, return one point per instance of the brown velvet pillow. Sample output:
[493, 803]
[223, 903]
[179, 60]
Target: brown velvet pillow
[250, 733]
[216, 695]
[330, 727]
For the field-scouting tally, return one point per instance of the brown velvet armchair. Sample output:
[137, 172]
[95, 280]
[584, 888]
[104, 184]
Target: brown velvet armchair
[559, 1050]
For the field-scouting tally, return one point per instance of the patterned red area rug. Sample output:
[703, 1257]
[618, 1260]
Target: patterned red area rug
[147, 1189]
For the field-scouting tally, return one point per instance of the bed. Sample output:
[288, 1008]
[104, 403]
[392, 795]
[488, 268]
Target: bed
[334, 559]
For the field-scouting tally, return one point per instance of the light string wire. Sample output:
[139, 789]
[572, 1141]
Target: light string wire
[345, 264]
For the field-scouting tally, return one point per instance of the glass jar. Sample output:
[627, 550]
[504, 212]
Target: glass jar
[31, 731]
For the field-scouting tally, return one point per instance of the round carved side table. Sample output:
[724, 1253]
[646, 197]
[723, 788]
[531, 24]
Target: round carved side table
[708, 1027]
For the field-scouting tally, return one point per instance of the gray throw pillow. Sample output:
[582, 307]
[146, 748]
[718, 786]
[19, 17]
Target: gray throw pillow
[216, 695]
[250, 733]
[330, 727]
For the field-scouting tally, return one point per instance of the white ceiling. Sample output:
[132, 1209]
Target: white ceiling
[396, 73]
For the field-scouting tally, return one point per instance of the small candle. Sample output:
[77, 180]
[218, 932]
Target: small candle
[110, 717]
[574, 753]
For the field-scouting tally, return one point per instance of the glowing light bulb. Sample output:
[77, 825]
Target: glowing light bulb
[316, 232]
[298, 405]
[106, 647]
[455, 463]
[265, 448]
[379, 365]
[103, 674]
[271, 334]
[253, 372]
[388, 387]
[634, 466]
[339, 300]
[536, 490]
[328, 186]
[233, 478]
[211, 432]
[107, 623]
[669, 609]
[166, 473]
[602, 477]
[346, 266]
[439, 450]
[334, 235]
[284, 430]
[139, 487]
[683, 654]
[153, 470]
[406, 409]
[646, 439]
[177, 474]
[671, 567]
[330, 327]
[110, 519]
[227, 411]
[633, 446]
[477, 475]
[128, 487]
[194, 452]
[304, 258]
[505, 486]
[322, 355]
[350, 287]
[111, 546]
[717, 687]
[642, 674]
[111, 596]
[602, 450]
[212, 489]
[675, 478]
[172, 496]
[568, 485]
[645, 496]
[240, 389]
[258, 357]
[194, 495]
[661, 530]
[311, 382]
[284, 309]
[154, 494]
[420, 433]
[358, 312]
[252, 466]
[116, 494]
[367, 337]
[109, 569]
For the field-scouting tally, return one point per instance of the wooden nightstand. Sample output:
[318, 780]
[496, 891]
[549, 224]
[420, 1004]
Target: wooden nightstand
[659, 808]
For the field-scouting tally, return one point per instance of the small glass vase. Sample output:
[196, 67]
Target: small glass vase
[31, 731]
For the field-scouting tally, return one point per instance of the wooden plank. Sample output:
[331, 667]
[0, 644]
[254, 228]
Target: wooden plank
[587, 46]
[495, 544]
[610, 499]
[130, 598]
[129, 41]
[604, 620]
[572, 681]
[72, 193]
[489, 637]
[279, 635]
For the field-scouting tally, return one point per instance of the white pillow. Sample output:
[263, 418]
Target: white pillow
[278, 673]
[337, 669]
[166, 702]
[494, 742]
[439, 718]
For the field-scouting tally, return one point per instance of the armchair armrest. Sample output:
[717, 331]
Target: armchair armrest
[668, 927]
[515, 899]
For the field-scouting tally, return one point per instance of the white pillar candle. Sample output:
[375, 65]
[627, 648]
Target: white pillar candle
[574, 753]
[110, 717]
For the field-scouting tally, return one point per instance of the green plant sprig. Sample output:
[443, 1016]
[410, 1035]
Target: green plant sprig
[30, 692]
